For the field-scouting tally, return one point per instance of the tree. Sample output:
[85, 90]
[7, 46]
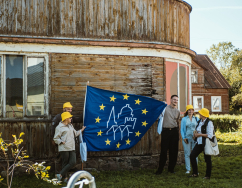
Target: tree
[222, 54]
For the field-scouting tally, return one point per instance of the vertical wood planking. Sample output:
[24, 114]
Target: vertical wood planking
[133, 20]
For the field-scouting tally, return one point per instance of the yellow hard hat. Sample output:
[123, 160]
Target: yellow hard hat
[65, 115]
[67, 105]
[188, 107]
[204, 112]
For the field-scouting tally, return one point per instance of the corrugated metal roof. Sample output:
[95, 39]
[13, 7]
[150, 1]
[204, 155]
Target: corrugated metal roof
[213, 77]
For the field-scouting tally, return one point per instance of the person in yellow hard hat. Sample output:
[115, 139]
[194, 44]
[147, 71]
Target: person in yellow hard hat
[204, 129]
[188, 125]
[67, 107]
[64, 138]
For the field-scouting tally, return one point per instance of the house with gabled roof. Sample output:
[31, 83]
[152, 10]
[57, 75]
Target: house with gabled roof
[209, 88]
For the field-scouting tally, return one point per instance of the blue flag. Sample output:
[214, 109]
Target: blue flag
[116, 121]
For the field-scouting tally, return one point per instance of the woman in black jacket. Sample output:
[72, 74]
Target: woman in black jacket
[204, 130]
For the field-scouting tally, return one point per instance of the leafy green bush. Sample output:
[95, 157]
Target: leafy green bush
[226, 123]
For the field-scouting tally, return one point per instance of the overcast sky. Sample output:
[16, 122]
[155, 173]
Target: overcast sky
[214, 21]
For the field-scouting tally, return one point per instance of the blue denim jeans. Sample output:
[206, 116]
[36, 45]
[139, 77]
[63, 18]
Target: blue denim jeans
[187, 151]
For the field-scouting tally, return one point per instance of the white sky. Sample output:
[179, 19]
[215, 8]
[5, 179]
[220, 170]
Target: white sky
[214, 21]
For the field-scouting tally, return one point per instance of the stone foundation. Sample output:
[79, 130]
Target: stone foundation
[109, 163]
[126, 162]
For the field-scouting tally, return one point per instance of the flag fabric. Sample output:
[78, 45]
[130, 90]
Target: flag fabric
[116, 121]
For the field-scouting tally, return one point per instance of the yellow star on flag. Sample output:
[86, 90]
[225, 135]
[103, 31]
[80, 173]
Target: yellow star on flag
[128, 141]
[137, 133]
[108, 142]
[144, 123]
[137, 101]
[144, 111]
[99, 133]
[125, 97]
[102, 107]
[112, 98]
[118, 145]
[97, 120]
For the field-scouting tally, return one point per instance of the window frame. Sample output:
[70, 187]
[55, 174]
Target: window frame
[196, 76]
[46, 84]
[193, 101]
[220, 104]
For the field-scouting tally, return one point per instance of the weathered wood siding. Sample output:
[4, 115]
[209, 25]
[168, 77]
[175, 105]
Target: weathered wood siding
[164, 21]
[69, 74]
[129, 74]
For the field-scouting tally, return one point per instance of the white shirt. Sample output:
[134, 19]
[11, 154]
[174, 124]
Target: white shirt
[209, 131]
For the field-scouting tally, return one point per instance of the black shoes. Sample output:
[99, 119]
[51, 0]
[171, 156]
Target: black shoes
[158, 172]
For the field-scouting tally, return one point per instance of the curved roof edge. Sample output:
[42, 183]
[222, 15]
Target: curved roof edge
[155, 45]
[187, 4]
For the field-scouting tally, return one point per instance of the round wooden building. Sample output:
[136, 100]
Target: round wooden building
[49, 49]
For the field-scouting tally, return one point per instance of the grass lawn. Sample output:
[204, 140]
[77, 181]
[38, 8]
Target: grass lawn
[226, 172]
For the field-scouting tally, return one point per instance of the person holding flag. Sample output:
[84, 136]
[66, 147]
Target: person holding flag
[65, 139]
[67, 107]
[169, 136]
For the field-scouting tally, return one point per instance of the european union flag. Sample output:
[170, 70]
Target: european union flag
[117, 121]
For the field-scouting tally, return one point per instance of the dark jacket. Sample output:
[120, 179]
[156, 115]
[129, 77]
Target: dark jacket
[204, 131]
[57, 119]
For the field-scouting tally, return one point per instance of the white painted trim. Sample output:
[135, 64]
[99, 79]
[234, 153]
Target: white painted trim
[194, 97]
[4, 86]
[26, 48]
[3, 78]
[190, 91]
[1, 89]
[178, 84]
[220, 104]
[188, 63]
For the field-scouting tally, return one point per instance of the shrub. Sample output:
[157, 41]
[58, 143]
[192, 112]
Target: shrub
[230, 137]
[12, 151]
[226, 123]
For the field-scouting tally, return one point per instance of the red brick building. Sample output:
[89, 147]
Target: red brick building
[209, 88]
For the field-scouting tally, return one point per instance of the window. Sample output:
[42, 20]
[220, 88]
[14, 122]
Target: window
[178, 82]
[197, 103]
[23, 86]
[216, 104]
[194, 76]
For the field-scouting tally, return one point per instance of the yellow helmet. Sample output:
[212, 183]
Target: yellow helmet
[67, 105]
[188, 107]
[65, 115]
[204, 112]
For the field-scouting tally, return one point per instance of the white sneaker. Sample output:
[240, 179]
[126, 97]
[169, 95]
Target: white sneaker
[58, 176]
[188, 172]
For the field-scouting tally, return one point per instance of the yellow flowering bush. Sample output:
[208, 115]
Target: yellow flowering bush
[230, 137]
[14, 151]
[225, 123]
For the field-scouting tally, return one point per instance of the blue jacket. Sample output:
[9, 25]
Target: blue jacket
[187, 127]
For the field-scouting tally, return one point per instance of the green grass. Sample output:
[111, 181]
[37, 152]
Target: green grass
[226, 172]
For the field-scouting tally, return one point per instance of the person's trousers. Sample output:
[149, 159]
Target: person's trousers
[195, 152]
[169, 141]
[68, 161]
[187, 151]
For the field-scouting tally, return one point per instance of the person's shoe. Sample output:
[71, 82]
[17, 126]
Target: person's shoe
[193, 176]
[206, 178]
[66, 180]
[158, 172]
[59, 176]
[172, 172]
[188, 172]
